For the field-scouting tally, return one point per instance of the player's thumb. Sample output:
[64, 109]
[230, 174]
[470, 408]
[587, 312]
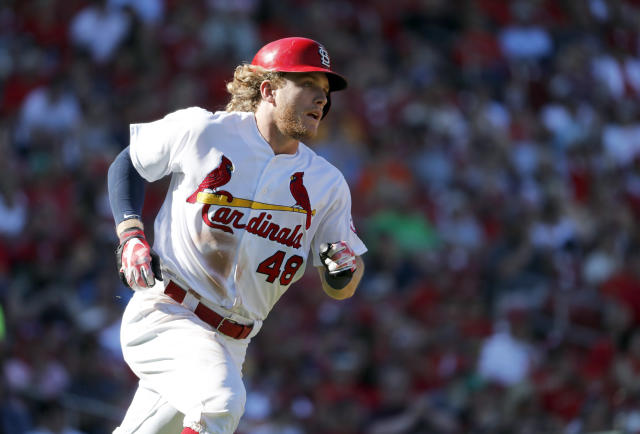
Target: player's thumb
[147, 276]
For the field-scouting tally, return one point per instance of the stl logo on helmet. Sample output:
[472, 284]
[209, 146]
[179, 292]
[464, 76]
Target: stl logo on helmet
[324, 57]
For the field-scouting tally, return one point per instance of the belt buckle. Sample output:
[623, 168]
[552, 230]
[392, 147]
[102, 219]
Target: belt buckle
[221, 322]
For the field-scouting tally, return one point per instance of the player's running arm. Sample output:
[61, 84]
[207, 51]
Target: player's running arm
[138, 265]
[342, 270]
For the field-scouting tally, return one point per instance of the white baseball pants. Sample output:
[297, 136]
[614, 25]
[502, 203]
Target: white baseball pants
[190, 375]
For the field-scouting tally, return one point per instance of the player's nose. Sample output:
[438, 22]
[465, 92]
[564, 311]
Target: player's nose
[321, 99]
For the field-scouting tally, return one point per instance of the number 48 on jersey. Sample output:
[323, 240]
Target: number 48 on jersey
[272, 267]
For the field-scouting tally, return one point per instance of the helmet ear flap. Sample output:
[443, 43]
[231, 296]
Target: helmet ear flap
[327, 106]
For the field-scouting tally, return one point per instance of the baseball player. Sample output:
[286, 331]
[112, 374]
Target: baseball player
[247, 203]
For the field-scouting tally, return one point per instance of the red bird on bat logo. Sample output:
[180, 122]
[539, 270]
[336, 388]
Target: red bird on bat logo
[215, 179]
[299, 192]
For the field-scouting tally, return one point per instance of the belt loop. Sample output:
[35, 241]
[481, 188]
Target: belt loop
[190, 301]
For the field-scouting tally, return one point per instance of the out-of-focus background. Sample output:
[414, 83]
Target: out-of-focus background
[493, 153]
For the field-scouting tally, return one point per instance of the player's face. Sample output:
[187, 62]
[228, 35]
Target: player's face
[299, 104]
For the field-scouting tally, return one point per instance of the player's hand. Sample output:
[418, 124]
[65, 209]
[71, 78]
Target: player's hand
[338, 258]
[138, 265]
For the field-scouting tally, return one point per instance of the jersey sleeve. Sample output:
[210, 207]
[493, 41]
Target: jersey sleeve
[337, 226]
[156, 147]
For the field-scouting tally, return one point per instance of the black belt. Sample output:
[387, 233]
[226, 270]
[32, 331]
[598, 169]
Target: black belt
[224, 325]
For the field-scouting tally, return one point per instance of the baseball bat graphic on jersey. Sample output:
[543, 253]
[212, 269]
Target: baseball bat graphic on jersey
[216, 199]
[221, 175]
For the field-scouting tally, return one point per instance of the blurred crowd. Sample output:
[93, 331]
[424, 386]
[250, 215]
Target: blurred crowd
[493, 152]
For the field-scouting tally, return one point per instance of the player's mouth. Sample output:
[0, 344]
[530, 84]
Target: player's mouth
[315, 115]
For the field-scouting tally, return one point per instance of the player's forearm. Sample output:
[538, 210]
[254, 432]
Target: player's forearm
[349, 289]
[126, 192]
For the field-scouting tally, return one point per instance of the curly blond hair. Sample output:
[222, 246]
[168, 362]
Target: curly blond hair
[245, 87]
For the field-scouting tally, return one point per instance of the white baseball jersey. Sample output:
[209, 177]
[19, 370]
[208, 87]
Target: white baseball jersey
[238, 221]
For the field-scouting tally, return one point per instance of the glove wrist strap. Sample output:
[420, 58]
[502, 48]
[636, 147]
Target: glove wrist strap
[128, 224]
[131, 233]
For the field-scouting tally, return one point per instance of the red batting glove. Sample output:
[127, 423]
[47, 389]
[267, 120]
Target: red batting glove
[137, 264]
[338, 258]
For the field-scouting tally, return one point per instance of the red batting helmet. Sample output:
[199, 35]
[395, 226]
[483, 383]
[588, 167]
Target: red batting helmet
[299, 55]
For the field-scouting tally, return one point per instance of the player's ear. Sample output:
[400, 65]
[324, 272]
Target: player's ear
[267, 90]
